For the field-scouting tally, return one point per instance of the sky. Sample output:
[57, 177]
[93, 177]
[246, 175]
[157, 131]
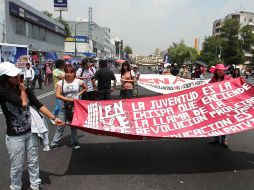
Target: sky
[145, 25]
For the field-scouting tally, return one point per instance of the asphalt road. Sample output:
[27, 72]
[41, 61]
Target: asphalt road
[105, 163]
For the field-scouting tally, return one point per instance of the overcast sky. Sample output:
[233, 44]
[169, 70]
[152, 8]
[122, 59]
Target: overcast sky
[149, 24]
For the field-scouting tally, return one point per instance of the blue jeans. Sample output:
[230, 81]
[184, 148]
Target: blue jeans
[60, 130]
[58, 107]
[18, 148]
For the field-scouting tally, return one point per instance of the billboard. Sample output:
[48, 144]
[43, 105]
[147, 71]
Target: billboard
[13, 53]
[60, 5]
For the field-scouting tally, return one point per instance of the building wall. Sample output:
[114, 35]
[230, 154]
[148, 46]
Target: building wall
[23, 32]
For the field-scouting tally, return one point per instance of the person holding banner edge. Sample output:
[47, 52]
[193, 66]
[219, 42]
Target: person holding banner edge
[219, 75]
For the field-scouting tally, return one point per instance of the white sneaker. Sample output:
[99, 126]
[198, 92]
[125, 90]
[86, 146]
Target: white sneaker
[46, 148]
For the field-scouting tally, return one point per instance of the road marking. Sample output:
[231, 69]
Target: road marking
[39, 97]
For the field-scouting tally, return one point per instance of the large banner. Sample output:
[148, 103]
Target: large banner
[165, 84]
[205, 111]
[13, 53]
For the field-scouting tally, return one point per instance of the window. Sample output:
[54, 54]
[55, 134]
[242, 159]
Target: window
[42, 34]
[35, 31]
[20, 27]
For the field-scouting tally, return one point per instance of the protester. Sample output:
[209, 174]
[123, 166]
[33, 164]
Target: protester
[48, 73]
[84, 73]
[137, 75]
[160, 69]
[219, 75]
[92, 68]
[58, 74]
[68, 90]
[37, 75]
[197, 72]
[15, 100]
[174, 70]
[166, 70]
[236, 73]
[28, 75]
[127, 79]
[183, 72]
[104, 76]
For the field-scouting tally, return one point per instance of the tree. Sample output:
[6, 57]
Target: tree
[232, 52]
[157, 52]
[127, 49]
[180, 53]
[248, 37]
[66, 26]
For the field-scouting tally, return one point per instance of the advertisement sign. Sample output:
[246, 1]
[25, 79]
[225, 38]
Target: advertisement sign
[79, 39]
[60, 5]
[210, 110]
[13, 53]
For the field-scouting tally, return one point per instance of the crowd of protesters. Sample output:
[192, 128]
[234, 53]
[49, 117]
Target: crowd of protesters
[71, 82]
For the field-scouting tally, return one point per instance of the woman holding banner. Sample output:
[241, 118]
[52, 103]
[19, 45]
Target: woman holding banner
[128, 79]
[219, 75]
[68, 90]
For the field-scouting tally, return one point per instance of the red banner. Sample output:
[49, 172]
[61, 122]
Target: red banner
[205, 111]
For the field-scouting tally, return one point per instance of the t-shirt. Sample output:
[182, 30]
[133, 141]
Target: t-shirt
[18, 120]
[37, 70]
[88, 75]
[104, 77]
[128, 76]
[70, 90]
[56, 74]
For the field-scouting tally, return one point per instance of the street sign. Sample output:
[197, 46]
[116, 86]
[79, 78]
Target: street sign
[60, 5]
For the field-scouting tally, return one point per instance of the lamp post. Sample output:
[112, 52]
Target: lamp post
[76, 25]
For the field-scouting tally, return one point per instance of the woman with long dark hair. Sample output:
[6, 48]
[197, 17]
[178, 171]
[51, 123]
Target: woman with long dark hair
[68, 90]
[236, 73]
[15, 101]
[127, 79]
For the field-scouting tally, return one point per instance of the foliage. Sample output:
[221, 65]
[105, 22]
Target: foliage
[127, 49]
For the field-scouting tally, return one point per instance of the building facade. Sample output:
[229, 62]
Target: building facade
[101, 40]
[245, 19]
[24, 25]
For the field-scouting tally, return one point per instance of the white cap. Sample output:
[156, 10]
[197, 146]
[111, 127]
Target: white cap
[166, 65]
[9, 69]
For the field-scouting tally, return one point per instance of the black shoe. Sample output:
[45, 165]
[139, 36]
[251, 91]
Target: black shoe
[76, 146]
[214, 142]
[54, 147]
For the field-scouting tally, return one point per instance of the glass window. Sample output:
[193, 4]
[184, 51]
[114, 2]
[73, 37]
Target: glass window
[20, 27]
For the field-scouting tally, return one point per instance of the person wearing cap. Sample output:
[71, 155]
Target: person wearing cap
[174, 70]
[15, 101]
[166, 70]
[219, 75]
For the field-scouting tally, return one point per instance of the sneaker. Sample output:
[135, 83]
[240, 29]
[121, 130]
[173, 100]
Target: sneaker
[52, 121]
[224, 144]
[54, 147]
[76, 146]
[46, 148]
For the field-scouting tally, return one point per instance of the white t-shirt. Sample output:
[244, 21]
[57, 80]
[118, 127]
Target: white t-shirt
[70, 90]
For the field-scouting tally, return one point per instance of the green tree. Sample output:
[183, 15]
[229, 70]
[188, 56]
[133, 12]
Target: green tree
[232, 48]
[248, 37]
[180, 53]
[66, 26]
[127, 49]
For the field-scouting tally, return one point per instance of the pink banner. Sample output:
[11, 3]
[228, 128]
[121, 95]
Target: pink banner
[205, 111]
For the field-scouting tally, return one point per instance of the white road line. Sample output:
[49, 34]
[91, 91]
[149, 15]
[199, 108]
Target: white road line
[39, 97]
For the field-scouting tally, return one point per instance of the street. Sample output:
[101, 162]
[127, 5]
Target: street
[111, 163]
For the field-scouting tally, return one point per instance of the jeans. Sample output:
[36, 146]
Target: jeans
[126, 94]
[60, 130]
[27, 82]
[18, 148]
[39, 78]
[58, 107]
[104, 94]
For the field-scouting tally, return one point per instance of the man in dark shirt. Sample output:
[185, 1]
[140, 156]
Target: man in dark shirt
[104, 76]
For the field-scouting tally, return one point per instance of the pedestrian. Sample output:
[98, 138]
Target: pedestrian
[28, 75]
[15, 101]
[104, 76]
[92, 68]
[174, 70]
[37, 75]
[236, 73]
[48, 73]
[84, 73]
[219, 75]
[68, 90]
[183, 72]
[166, 70]
[127, 80]
[137, 75]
